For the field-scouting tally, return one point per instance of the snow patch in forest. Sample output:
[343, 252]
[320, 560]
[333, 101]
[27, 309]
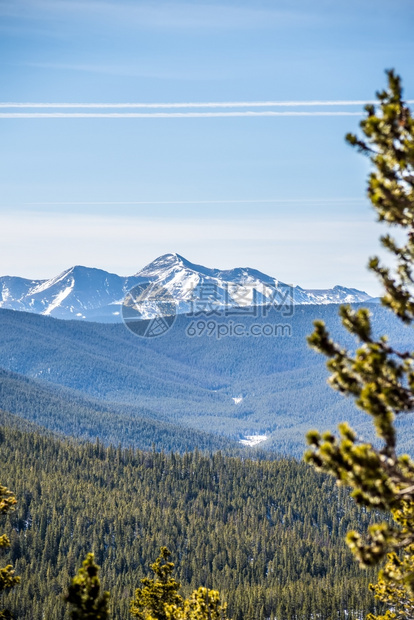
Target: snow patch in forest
[253, 440]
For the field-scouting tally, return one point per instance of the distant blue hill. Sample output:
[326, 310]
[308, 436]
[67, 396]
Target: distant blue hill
[232, 388]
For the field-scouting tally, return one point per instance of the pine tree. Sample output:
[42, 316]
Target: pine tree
[378, 376]
[7, 578]
[203, 604]
[158, 599]
[151, 601]
[85, 593]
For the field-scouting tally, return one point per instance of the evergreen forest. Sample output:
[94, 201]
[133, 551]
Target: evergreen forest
[268, 534]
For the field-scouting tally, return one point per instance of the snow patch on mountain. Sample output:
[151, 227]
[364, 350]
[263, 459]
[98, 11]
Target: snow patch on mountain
[59, 299]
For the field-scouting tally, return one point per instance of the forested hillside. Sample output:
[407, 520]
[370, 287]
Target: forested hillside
[68, 412]
[268, 534]
[122, 388]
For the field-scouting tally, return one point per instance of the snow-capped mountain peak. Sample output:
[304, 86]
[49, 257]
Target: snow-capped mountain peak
[171, 262]
[95, 294]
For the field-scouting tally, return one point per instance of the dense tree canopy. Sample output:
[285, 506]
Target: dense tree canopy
[267, 534]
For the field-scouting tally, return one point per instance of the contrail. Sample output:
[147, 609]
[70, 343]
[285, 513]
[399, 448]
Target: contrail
[200, 202]
[217, 104]
[169, 114]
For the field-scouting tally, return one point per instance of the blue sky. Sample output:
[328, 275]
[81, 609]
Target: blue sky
[283, 194]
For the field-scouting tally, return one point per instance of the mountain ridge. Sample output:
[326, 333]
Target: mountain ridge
[89, 293]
